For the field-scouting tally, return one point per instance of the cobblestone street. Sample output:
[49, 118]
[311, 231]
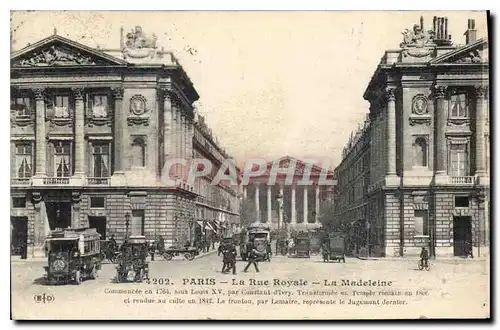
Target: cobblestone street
[178, 281]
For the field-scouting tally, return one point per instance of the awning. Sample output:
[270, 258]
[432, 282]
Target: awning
[215, 224]
[209, 226]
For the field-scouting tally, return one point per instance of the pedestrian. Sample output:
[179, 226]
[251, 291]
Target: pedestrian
[152, 250]
[424, 257]
[24, 248]
[161, 244]
[252, 259]
[229, 259]
[112, 243]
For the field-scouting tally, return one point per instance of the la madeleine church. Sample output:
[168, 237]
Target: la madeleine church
[90, 132]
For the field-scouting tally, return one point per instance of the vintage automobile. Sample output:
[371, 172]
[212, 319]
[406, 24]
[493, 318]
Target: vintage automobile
[334, 247]
[303, 245]
[73, 255]
[132, 263]
[256, 236]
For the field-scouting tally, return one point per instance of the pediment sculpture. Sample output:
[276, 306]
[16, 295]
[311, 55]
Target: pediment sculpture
[472, 57]
[55, 56]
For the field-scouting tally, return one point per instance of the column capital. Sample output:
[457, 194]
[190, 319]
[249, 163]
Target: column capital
[440, 91]
[78, 92]
[39, 93]
[117, 92]
[390, 94]
[480, 91]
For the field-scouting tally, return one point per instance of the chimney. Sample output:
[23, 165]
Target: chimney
[441, 36]
[470, 34]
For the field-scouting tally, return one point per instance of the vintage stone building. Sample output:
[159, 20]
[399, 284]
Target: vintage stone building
[428, 134]
[301, 202]
[91, 130]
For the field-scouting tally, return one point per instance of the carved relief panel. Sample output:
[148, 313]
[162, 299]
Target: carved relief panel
[420, 110]
[139, 111]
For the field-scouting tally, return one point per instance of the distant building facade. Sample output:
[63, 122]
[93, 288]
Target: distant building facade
[425, 149]
[301, 204]
[91, 130]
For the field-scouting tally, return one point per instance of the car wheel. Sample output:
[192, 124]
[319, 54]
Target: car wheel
[167, 256]
[188, 256]
[78, 277]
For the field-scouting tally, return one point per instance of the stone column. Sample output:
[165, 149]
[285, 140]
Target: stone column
[316, 206]
[441, 118]
[280, 211]
[481, 109]
[79, 132]
[119, 132]
[177, 135]
[391, 131]
[40, 143]
[182, 143]
[257, 206]
[167, 127]
[305, 204]
[269, 205]
[293, 219]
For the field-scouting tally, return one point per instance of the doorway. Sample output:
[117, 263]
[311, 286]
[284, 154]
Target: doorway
[462, 235]
[59, 214]
[19, 235]
[137, 226]
[99, 223]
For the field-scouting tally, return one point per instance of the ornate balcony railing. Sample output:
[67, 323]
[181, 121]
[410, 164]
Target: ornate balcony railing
[98, 181]
[56, 181]
[462, 180]
[20, 181]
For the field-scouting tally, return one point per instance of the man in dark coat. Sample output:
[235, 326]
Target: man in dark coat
[252, 259]
[229, 258]
[161, 244]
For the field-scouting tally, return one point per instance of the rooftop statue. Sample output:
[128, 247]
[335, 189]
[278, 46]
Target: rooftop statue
[417, 37]
[138, 39]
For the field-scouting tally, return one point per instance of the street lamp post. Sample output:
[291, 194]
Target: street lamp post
[127, 221]
[279, 200]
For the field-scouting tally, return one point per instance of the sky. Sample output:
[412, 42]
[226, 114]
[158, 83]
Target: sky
[271, 84]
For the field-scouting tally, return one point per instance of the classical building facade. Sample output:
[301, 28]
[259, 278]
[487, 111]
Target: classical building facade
[301, 203]
[427, 142]
[91, 130]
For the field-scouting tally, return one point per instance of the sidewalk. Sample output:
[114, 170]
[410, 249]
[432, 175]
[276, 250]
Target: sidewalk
[416, 258]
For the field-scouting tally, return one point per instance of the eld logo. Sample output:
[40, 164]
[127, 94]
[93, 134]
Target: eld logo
[43, 298]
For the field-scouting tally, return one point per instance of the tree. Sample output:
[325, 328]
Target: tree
[326, 215]
[248, 213]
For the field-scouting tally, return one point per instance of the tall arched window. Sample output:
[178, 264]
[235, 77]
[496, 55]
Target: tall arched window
[420, 152]
[138, 153]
